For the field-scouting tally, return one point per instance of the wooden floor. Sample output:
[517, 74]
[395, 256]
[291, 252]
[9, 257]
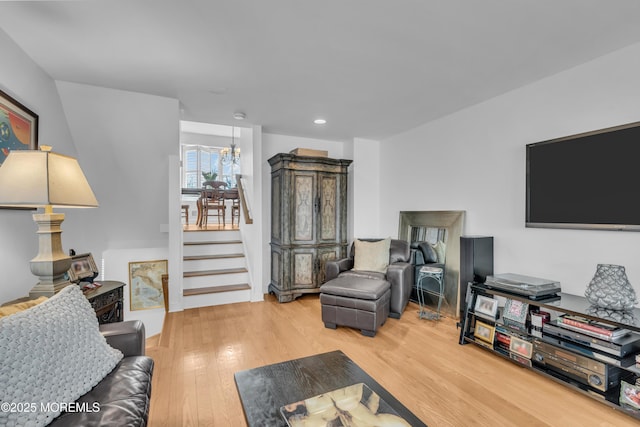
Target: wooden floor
[210, 227]
[418, 361]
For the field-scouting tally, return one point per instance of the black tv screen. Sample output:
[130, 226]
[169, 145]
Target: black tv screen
[590, 180]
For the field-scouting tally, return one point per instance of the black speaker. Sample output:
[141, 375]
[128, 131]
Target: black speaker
[476, 263]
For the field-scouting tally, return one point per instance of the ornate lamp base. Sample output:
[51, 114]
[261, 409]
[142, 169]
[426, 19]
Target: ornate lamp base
[51, 264]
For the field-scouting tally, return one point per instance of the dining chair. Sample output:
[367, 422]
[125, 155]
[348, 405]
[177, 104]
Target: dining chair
[185, 211]
[211, 202]
[234, 197]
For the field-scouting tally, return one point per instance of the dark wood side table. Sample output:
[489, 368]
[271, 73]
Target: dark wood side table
[107, 301]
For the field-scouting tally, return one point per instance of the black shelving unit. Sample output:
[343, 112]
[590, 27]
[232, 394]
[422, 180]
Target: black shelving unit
[561, 303]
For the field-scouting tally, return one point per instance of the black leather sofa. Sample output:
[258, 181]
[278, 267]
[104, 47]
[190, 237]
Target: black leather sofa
[124, 395]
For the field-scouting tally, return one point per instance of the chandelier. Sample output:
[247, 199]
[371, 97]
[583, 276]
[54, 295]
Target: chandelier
[231, 154]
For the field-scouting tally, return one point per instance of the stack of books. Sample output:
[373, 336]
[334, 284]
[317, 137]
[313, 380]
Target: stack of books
[591, 328]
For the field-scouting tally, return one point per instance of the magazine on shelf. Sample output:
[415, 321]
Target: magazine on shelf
[591, 327]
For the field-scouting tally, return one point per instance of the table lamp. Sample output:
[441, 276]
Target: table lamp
[44, 179]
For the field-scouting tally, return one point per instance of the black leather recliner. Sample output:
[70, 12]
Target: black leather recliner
[400, 273]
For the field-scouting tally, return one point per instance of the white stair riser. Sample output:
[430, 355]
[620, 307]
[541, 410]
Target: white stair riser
[220, 298]
[214, 280]
[195, 250]
[210, 236]
[213, 264]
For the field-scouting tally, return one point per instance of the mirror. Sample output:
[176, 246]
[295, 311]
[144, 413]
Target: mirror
[446, 227]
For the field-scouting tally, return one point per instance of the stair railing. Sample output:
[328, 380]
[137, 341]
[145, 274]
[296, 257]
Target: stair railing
[246, 209]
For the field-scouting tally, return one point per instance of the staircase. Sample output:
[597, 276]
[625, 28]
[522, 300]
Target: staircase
[214, 268]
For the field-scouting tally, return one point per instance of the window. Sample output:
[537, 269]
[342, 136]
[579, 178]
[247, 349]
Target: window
[198, 161]
[229, 172]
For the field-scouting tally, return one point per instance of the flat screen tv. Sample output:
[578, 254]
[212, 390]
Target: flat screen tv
[587, 181]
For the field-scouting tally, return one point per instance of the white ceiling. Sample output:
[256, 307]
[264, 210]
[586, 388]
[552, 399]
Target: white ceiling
[372, 68]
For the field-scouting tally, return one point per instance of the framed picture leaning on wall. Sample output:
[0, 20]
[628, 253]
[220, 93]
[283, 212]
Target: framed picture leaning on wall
[145, 284]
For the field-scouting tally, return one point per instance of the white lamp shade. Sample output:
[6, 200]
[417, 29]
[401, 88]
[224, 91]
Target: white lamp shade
[30, 178]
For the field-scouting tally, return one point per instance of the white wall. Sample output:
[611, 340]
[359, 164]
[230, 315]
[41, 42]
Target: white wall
[271, 145]
[251, 146]
[124, 141]
[22, 79]
[206, 140]
[117, 268]
[366, 195]
[474, 160]
[176, 235]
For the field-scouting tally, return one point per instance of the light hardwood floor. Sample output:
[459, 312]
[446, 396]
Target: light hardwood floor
[210, 227]
[418, 361]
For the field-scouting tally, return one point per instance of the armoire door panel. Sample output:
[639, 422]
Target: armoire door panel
[304, 205]
[275, 268]
[303, 269]
[328, 207]
[275, 207]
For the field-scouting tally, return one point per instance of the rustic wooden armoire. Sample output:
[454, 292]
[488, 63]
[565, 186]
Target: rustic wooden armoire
[308, 221]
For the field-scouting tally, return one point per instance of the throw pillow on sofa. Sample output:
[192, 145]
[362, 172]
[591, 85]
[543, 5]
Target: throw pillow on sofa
[51, 354]
[17, 307]
[372, 256]
[441, 251]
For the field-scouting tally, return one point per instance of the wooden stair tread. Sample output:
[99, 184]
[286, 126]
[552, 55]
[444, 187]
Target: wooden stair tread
[203, 257]
[215, 289]
[214, 272]
[214, 242]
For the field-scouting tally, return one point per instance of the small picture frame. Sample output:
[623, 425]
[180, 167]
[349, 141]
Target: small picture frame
[83, 268]
[484, 332]
[486, 306]
[521, 347]
[516, 310]
[629, 395]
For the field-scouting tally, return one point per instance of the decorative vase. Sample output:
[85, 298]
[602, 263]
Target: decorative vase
[625, 317]
[610, 288]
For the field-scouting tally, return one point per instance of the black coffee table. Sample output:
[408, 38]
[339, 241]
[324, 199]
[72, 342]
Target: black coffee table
[264, 390]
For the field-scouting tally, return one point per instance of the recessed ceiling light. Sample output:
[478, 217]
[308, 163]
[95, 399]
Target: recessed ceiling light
[320, 121]
[239, 115]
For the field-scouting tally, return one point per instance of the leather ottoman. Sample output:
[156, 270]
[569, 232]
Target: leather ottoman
[356, 302]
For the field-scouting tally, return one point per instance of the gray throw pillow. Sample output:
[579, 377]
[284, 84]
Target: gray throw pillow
[51, 354]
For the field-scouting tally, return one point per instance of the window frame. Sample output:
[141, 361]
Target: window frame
[220, 167]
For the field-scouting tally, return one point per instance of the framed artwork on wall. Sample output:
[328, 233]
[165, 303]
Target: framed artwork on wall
[18, 127]
[145, 284]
